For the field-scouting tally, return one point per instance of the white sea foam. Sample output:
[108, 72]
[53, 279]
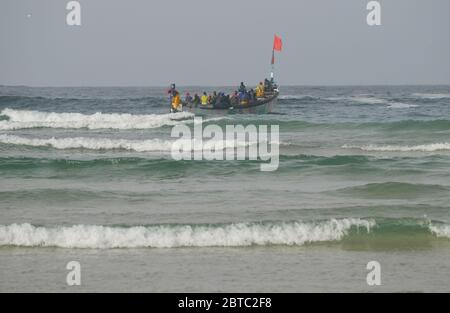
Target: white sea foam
[432, 96]
[368, 100]
[392, 148]
[373, 100]
[165, 236]
[296, 97]
[20, 119]
[359, 99]
[112, 144]
[441, 231]
[400, 105]
[90, 143]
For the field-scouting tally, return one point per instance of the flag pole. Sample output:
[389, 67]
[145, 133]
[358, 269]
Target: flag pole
[273, 65]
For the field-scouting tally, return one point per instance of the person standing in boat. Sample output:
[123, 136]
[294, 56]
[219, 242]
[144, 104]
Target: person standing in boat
[204, 99]
[260, 90]
[171, 92]
[196, 101]
[242, 88]
[252, 96]
[188, 100]
[266, 85]
[213, 98]
[177, 106]
[218, 101]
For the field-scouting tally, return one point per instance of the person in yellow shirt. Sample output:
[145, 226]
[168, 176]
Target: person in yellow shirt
[260, 90]
[177, 106]
[204, 99]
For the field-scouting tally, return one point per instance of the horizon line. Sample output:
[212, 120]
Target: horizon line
[229, 86]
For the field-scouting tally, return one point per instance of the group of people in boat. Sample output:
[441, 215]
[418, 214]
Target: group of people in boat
[220, 100]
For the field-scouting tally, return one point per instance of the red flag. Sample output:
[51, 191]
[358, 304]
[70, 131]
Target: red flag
[277, 44]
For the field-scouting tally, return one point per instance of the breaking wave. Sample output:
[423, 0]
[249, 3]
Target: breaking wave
[400, 105]
[367, 100]
[21, 119]
[116, 144]
[440, 230]
[393, 148]
[297, 97]
[373, 100]
[171, 236]
[432, 96]
[90, 143]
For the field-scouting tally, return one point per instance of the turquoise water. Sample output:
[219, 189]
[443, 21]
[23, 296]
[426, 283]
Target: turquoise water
[364, 174]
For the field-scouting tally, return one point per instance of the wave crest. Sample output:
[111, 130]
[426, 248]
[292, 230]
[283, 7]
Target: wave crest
[392, 148]
[440, 230]
[118, 144]
[432, 96]
[21, 119]
[167, 236]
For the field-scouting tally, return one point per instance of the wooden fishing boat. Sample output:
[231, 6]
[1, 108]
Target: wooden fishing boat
[260, 106]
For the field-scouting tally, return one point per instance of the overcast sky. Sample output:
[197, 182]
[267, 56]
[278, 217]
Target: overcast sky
[212, 42]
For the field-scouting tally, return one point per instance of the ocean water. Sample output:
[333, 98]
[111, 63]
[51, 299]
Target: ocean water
[86, 175]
